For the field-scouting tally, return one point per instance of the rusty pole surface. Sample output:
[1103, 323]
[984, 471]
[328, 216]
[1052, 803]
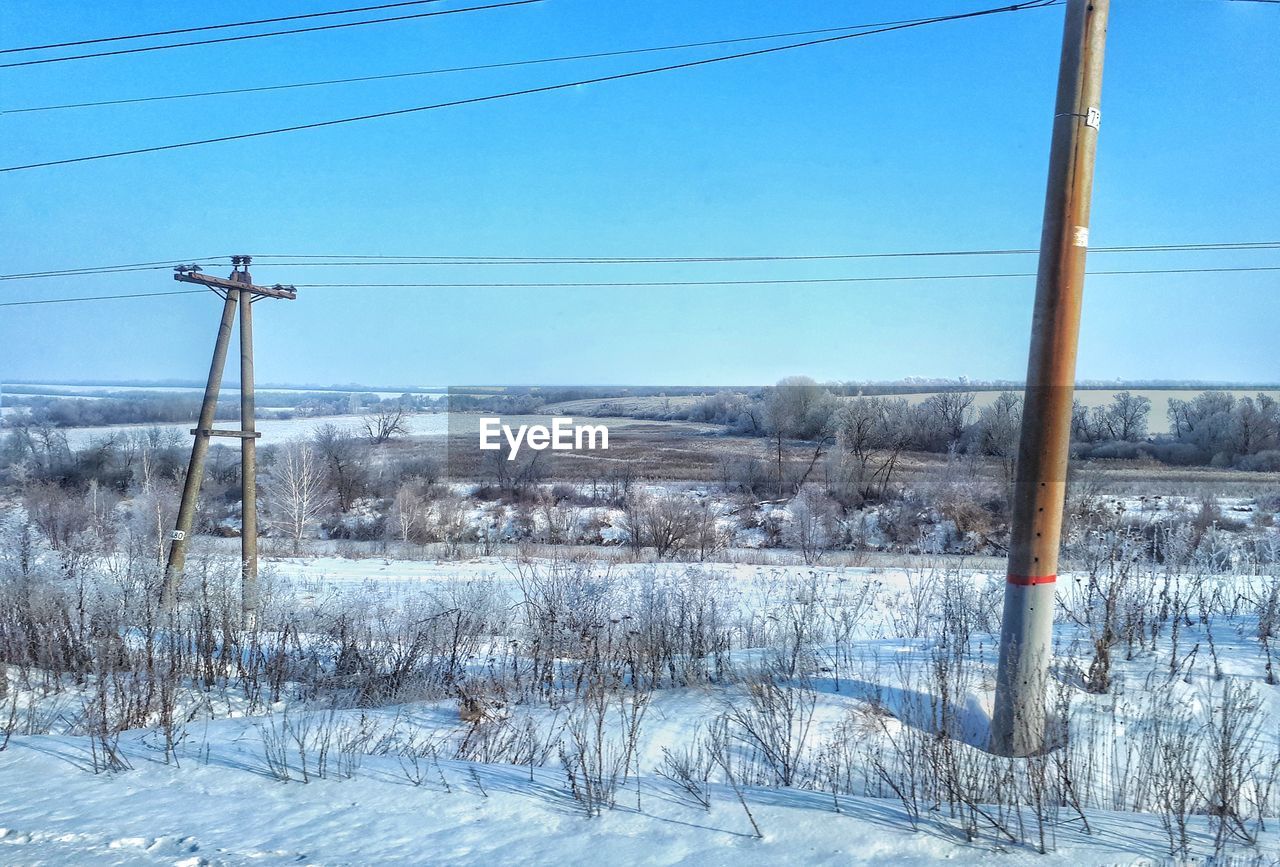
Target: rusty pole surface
[199, 451]
[248, 462]
[1018, 723]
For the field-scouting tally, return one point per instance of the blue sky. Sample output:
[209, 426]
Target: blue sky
[933, 138]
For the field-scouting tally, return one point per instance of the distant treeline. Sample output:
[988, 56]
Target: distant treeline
[153, 407]
[526, 400]
[137, 408]
[1213, 428]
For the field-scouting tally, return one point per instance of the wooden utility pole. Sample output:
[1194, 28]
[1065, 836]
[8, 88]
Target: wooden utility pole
[238, 289]
[1018, 724]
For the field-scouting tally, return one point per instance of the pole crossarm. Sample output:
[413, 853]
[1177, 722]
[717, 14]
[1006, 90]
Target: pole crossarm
[215, 432]
[288, 293]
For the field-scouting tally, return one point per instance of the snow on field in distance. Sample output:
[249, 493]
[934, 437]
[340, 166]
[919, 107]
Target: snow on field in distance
[275, 431]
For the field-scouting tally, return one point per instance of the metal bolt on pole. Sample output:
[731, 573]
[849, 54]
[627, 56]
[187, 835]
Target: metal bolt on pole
[1019, 721]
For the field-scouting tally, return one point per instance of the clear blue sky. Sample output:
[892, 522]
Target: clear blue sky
[934, 138]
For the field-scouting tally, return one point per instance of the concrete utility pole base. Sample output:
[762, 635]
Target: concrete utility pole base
[1026, 638]
[1025, 649]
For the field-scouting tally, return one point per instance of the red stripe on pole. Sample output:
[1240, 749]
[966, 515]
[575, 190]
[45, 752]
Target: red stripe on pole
[1031, 580]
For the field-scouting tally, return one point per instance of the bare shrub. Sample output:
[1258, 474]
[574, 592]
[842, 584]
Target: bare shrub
[774, 723]
[323, 744]
[813, 528]
[689, 768]
[595, 762]
[668, 523]
[1235, 799]
[1175, 752]
[1113, 601]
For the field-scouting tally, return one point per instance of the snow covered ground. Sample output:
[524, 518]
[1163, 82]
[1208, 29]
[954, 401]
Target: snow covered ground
[487, 775]
[218, 808]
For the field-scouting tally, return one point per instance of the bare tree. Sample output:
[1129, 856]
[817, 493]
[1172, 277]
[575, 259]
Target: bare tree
[949, 413]
[1126, 417]
[871, 434]
[709, 538]
[797, 408]
[997, 433]
[385, 423]
[296, 491]
[340, 453]
[1257, 424]
[1087, 423]
[518, 475]
[408, 512]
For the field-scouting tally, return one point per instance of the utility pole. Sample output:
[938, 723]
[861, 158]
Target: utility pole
[1018, 724]
[248, 460]
[240, 290]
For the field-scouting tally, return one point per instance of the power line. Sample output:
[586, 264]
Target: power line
[1127, 248]
[363, 260]
[317, 28]
[101, 298]
[1017, 7]
[179, 30]
[335, 260]
[759, 282]
[278, 20]
[444, 70]
[110, 269]
[652, 284]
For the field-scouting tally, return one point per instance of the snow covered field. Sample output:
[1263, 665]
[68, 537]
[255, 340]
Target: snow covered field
[276, 431]
[91, 390]
[549, 712]
[223, 812]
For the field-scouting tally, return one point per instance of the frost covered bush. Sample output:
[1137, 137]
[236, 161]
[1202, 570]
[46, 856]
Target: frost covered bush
[669, 523]
[1267, 461]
